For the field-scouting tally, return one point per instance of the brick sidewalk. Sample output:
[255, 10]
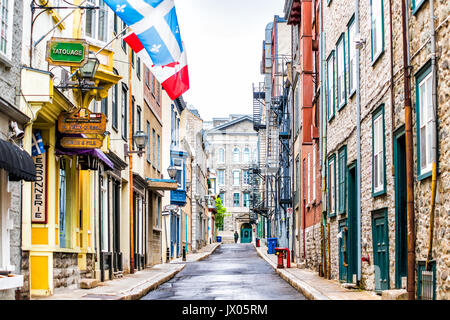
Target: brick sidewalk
[311, 285]
[132, 286]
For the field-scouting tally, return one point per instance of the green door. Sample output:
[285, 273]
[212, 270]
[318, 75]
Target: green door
[343, 242]
[246, 235]
[352, 233]
[401, 223]
[380, 249]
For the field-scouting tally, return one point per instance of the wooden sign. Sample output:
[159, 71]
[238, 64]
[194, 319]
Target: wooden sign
[67, 52]
[82, 122]
[39, 190]
[81, 143]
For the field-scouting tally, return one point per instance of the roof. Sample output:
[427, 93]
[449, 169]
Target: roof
[231, 123]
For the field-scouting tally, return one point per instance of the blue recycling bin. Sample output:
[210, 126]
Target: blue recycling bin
[271, 245]
[219, 239]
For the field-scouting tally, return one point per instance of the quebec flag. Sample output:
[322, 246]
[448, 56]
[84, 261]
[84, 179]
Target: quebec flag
[155, 24]
[37, 147]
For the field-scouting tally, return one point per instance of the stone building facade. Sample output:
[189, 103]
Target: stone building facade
[232, 150]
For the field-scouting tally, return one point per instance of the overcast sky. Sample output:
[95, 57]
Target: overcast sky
[223, 43]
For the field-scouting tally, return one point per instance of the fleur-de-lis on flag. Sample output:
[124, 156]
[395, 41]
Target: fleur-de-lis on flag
[120, 8]
[155, 48]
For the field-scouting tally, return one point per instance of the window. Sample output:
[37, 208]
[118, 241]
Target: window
[351, 57]
[246, 177]
[221, 155]
[297, 177]
[314, 172]
[124, 44]
[124, 111]
[340, 68]
[154, 146]
[158, 200]
[222, 197]
[330, 85]
[378, 163]
[377, 28]
[178, 164]
[236, 177]
[308, 180]
[236, 200]
[114, 98]
[236, 155]
[159, 147]
[139, 115]
[147, 75]
[416, 4]
[342, 179]
[133, 124]
[97, 20]
[221, 177]
[158, 90]
[331, 186]
[148, 142]
[424, 124]
[132, 58]
[153, 85]
[104, 106]
[246, 199]
[246, 155]
[6, 19]
[138, 68]
[115, 24]
[255, 156]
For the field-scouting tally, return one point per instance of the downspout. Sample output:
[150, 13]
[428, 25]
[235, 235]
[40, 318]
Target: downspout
[392, 88]
[358, 152]
[433, 136]
[409, 160]
[323, 137]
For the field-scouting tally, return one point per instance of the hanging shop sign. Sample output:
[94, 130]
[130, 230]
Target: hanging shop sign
[67, 52]
[81, 143]
[83, 121]
[39, 190]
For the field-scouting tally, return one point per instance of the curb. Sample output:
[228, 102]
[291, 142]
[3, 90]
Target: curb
[142, 289]
[309, 292]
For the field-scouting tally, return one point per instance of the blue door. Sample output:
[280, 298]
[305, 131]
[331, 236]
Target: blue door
[343, 266]
[62, 208]
[380, 249]
[246, 235]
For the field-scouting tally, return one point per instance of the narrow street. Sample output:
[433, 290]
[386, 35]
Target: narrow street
[234, 272]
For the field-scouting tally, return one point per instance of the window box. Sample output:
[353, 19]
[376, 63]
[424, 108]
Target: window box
[11, 281]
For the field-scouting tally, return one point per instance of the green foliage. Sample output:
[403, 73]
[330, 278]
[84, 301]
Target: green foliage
[221, 210]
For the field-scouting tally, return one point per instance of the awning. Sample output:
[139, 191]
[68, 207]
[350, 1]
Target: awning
[162, 184]
[93, 152]
[17, 162]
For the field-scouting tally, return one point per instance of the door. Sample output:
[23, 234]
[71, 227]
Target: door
[117, 255]
[342, 242]
[352, 232]
[246, 235]
[62, 208]
[401, 223]
[380, 249]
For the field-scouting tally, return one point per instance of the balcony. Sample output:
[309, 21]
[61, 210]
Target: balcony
[178, 197]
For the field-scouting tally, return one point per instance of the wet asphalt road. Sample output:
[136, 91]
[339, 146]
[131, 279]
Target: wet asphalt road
[232, 272]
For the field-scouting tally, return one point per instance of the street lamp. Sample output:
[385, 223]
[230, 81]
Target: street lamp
[172, 171]
[88, 70]
[140, 138]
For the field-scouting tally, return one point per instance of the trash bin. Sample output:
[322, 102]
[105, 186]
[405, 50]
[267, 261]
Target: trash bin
[271, 244]
[219, 239]
[257, 242]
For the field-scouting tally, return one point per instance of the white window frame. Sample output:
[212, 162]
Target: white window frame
[351, 57]
[244, 174]
[219, 182]
[96, 12]
[221, 155]
[246, 155]
[378, 153]
[332, 185]
[239, 204]
[425, 125]
[330, 86]
[376, 26]
[238, 159]
[238, 177]
[246, 199]
[9, 29]
[340, 73]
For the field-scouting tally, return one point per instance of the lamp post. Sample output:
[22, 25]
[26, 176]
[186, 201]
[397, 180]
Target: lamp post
[172, 171]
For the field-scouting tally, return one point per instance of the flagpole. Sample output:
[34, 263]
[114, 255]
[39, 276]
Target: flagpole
[130, 145]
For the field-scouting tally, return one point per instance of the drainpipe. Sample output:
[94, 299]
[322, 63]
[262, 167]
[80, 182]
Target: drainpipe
[409, 160]
[358, 152]
[323, 137]
[392, 88]
[130, 141]
[433, 136]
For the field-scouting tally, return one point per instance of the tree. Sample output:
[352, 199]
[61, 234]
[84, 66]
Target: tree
[220, 213]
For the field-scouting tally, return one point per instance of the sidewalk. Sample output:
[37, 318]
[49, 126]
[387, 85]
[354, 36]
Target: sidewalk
[132, 286]
[311, 285]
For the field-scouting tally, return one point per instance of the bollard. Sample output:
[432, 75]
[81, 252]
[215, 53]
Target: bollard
[184, 253]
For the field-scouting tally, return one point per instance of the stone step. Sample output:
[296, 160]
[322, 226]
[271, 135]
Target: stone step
[88, 283]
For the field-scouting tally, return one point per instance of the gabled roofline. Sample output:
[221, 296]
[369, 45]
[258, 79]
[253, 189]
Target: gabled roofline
[230, 123]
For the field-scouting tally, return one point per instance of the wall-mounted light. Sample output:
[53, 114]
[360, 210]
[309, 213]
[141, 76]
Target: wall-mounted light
[140, 138]
[16, 132]
[88, 70]
[172, 171]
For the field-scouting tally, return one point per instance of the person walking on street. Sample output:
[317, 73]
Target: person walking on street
[236, 236]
